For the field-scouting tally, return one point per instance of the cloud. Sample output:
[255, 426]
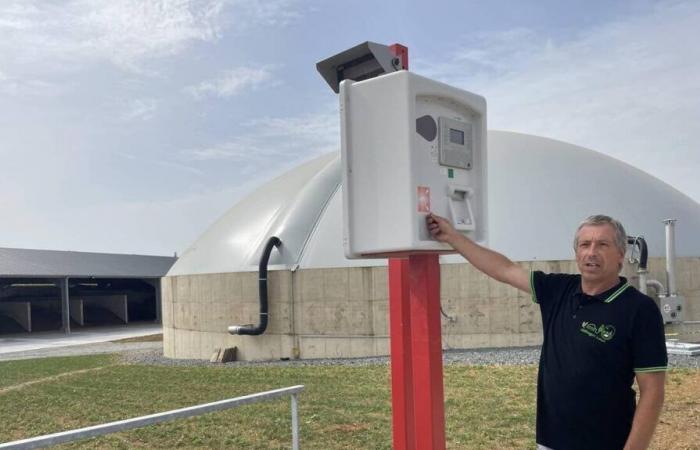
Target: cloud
[496, 53]
[140, 109]
[319, 131]
[232, 82]
[14, 86]
[133, 226]
[627, 88]
[127, 33]
[267, 12]
[274, 141]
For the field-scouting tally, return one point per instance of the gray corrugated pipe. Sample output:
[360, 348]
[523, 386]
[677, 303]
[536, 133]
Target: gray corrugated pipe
[251, 330]
[642, 271]
[643, 252]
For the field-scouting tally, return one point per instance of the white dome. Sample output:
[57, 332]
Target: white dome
[539, 191]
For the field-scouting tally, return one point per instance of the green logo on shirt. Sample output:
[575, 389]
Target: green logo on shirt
[603, 333]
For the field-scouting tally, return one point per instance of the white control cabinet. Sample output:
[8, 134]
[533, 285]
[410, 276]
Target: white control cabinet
[410, 146]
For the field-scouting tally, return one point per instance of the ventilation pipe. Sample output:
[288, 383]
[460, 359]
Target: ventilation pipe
[658, 287]
[672, 305]
[671, 257]
[642, 271]
[251, 330]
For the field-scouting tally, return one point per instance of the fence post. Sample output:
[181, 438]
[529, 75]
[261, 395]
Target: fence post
[295, 423]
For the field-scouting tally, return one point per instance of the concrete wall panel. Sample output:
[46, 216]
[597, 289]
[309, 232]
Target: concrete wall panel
[335, 285]
[166, 295]
[337, 347]
[361, 346]
[77, 313]
[380, 281]
[380, 317]
[343, 312]
[312, 347]
[504, 315]
[473, 315]
[381, 346]
[529, 318]
[359, 283]
[309, 285]
[20, 312]
[169, 341]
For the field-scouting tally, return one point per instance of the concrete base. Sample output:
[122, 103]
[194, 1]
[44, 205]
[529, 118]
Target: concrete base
[24, 343]
[77, 313]
[20, 312]
[116, 304]
[342, 312]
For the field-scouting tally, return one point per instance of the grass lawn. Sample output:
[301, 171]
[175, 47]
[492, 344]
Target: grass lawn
[343, 407]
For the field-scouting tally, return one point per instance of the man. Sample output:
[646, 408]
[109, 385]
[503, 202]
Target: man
[599, 334]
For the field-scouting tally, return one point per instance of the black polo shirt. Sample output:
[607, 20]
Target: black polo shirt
[593, 345]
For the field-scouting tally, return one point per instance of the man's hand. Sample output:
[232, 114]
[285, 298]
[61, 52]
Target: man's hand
[441, 229]
[491, 263]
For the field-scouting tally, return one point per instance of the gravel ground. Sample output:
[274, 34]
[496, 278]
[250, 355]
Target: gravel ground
[152, 353]
[507, 357]
[512, 356]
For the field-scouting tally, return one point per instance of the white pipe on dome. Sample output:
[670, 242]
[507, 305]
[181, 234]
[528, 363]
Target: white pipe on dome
[671, 257]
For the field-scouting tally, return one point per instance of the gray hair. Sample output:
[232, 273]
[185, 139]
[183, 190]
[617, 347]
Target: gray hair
[600, 219]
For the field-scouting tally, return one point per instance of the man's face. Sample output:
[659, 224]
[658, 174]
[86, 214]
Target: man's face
[597, 256]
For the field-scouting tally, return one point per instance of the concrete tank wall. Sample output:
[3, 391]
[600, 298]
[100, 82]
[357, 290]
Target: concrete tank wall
[343, 312]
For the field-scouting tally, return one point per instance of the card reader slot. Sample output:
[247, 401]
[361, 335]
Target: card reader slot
[459, 199]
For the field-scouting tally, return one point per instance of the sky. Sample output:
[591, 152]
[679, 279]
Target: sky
[130, 126]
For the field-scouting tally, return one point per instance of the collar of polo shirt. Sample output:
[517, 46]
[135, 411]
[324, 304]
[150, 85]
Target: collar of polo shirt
[607, 296]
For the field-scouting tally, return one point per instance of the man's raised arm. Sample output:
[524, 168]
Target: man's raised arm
[491, 263]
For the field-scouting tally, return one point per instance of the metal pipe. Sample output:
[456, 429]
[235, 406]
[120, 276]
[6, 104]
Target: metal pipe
[65, 305]
[660, 290]
[643, 283]
[251, 330]
[139, 422]
[295, 423]
[671, 256]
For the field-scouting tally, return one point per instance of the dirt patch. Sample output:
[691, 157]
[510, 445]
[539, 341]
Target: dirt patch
[19, 386]
[679, 428]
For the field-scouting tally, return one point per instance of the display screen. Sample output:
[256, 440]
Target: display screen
[456, 136]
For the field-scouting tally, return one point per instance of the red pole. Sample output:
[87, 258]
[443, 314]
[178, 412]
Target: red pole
[403, 429]
[426, 347]
[418, 411]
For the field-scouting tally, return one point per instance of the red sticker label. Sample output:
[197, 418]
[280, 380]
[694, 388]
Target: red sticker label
[423, 199]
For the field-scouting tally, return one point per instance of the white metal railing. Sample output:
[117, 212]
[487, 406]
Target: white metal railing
[138, 422]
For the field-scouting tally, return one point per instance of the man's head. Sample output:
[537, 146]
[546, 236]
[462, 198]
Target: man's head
[600, 245]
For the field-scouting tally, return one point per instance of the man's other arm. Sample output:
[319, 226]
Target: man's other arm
[491, 263]
[651, 399]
